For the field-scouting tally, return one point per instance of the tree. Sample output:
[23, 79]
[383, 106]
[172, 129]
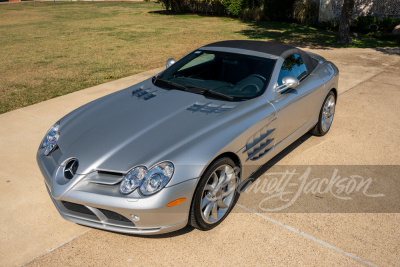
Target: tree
[345, 22]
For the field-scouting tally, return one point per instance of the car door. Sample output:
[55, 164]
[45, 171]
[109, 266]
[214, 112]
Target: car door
[296, 106]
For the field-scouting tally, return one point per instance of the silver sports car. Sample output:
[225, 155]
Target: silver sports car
[172, 150]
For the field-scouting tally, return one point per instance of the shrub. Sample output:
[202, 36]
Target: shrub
[281, 10]
[365, 24]
[216, 7]
[239, 7]
[328, 25]
[252, 14]
[234, 7]
[195, 6]
[305, 12]
[388, 24]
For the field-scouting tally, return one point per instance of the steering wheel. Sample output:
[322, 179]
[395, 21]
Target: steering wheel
[258, 76]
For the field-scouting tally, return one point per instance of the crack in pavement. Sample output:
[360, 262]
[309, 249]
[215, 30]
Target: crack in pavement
[306, 235]
[370, 77]
[59, 246]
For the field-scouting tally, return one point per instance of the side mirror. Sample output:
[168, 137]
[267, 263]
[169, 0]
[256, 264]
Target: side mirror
[170, 62]
[288, 82]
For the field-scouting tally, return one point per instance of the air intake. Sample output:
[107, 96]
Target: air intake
[114, 216]
[260, 143]
[209, 108]
[144, 94]
[77, 208]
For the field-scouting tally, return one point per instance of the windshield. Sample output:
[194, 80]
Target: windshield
[232, 76]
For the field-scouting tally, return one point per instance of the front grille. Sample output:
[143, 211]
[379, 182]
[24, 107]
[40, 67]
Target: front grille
[82, 209]
[114, 216]
[77, 208]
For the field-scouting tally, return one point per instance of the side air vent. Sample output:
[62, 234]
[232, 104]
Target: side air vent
[209, 108]
[260, 143]
[144, 94]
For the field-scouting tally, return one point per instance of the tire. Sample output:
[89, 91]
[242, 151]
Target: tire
[326, 115]
[210, 195]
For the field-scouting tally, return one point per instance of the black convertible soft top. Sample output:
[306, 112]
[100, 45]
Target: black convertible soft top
[276, 49]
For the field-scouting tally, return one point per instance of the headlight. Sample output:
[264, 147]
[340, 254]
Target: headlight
[132, 180]
[149, 181]
[157, 177]
[51, 138]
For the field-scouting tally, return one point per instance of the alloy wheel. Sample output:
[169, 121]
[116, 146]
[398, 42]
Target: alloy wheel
[327, 113]
[218, 194]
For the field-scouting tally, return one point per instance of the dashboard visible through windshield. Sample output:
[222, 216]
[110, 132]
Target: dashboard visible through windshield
[235, 77]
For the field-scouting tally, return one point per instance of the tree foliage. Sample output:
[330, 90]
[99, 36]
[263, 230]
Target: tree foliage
[290, 62]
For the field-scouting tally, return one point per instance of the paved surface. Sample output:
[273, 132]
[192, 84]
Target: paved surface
[365, 132]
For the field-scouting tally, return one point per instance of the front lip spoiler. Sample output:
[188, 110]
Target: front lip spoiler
[117, 228]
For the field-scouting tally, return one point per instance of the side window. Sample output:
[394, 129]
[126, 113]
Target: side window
[293, 66]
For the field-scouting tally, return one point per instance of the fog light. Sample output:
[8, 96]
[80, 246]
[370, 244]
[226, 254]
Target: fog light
[135, 217]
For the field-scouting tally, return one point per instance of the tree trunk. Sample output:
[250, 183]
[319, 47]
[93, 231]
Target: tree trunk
[345, 22]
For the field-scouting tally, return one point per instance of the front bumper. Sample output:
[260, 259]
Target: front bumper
[113, 212]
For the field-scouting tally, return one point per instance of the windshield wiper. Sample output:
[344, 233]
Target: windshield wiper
[170, 82]
[211, 91]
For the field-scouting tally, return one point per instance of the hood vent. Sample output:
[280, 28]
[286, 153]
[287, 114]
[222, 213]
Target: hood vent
[209, 108]
[144, 94]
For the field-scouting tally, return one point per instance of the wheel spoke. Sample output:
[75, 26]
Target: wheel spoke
[209, 187]
[221, 204]
[332, 111]
[222, 175]
[207, 211]
[228, 192]
[215, 180]
[229, 178]
[214, 213]
[205, 200]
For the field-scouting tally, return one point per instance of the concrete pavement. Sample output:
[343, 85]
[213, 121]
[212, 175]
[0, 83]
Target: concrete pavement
[364, 132]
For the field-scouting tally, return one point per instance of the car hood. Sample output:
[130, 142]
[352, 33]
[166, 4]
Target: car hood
[121, 130]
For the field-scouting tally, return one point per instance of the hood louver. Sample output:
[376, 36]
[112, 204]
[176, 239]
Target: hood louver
[209, 108]
[144, 94]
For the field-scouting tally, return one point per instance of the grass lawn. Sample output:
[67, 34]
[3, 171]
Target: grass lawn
[49, 50]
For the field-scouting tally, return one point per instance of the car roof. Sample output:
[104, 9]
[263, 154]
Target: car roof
[276, 49]
[258, 46]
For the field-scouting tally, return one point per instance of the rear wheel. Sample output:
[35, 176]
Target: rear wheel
[215, 195]
[325, 116]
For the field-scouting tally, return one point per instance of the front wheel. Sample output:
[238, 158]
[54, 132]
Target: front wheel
[215, 195]
[325, 116]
